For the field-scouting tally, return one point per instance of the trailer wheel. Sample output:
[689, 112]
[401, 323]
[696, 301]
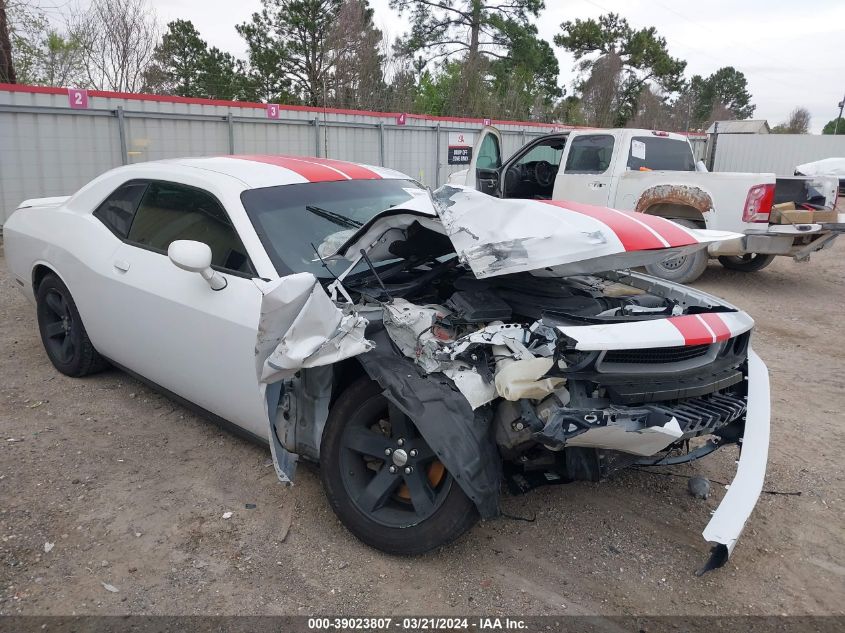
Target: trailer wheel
[748, 263]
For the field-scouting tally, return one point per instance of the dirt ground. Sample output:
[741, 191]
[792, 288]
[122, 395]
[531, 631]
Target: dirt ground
[126, 488]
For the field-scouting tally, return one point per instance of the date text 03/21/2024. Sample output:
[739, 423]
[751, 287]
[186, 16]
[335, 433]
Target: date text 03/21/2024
[416, 623]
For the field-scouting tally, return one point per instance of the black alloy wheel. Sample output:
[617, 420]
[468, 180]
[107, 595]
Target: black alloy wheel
[384, 481]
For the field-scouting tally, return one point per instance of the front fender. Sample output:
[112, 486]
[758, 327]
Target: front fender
[461, 438]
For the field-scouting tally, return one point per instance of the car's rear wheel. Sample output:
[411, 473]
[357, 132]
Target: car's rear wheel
[684, 268]
[62, 332]
[748, 263]
[383, 480]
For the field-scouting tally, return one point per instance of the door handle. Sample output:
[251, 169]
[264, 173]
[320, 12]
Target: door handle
[121, 265]
[597, 184]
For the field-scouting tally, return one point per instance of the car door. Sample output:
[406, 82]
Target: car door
[586, 174]
[483, 171]
[168, 325]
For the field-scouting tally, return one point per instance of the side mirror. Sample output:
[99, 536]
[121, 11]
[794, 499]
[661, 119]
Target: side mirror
[195, 257]
[486, 180]
[700, 166]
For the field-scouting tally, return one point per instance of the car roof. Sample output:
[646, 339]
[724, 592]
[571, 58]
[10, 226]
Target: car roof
[269, 170]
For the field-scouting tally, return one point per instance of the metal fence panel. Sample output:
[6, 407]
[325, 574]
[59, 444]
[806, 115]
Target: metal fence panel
[49, 149]
[52, 154]
[778, 153]
[155, 139]
[258, 137]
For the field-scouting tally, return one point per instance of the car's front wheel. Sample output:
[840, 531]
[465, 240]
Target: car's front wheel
[383, 480]
[62, 332]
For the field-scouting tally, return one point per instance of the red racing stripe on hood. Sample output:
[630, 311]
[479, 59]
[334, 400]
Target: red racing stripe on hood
[720, 330]
[633, 235]
[693, 329]
[668, 230]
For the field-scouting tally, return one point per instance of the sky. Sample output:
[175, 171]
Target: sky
[792, 53]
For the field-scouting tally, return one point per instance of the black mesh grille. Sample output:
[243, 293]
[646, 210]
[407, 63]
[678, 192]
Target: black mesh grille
[656, 355]
[698, 416]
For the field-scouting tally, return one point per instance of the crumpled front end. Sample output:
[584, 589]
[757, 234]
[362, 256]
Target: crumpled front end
[299, 327]
[582, 376]
[499, 330]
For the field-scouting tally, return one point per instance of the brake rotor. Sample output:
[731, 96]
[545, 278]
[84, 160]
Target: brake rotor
[436, 472]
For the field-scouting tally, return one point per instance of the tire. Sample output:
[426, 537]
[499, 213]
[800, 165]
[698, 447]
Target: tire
[749, 263]
[396, 513]
[62, 331]
[684, 269]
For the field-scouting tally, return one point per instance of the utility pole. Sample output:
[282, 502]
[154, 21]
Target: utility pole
[839, 118]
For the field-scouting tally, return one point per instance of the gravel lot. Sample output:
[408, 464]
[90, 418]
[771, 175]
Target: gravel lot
[126, 488]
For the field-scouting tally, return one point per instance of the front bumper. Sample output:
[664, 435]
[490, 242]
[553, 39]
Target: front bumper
[730, 517]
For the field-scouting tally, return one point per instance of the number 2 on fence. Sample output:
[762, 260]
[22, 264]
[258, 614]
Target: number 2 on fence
[78, 99]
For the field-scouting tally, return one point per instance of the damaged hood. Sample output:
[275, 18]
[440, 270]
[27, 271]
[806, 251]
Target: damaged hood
[546, 237]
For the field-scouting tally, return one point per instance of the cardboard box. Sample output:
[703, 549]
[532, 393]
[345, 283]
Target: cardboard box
[791, 216]
[786, 213]
[827, 215]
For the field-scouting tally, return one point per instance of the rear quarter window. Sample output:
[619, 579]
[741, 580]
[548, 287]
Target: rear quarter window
[657, 153]
[118, 210]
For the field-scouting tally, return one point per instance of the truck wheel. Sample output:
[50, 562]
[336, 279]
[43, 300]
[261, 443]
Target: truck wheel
[62, 332]
[748, 263]
[383, 481]
[685, 268]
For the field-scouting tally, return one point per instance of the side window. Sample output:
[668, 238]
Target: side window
[549, 151]
[656, 153]
[117, 211]
[589, 154]
[489, 154]
[170, 212]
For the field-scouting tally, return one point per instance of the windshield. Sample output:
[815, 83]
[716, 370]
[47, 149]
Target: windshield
[294, 220]
[660, 154]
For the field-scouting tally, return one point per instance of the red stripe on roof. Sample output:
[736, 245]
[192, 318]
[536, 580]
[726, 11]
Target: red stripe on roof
[313, 172]
[693, 330]
[634, 236]
[668, 230]
[353, 170]
[718, 325]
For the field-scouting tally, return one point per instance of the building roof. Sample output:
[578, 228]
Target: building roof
[751, 126]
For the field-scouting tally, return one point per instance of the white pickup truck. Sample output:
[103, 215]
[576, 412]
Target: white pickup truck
[656, 173]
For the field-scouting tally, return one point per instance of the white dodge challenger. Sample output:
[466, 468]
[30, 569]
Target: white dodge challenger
[423, 347]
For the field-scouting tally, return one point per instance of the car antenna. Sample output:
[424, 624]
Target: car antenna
[375, 274]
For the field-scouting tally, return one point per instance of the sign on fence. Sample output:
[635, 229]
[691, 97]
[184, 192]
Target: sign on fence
[78, 99]
[272, 110]
[460, 148]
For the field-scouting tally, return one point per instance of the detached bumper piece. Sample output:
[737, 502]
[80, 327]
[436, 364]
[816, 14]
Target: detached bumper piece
[729, 519]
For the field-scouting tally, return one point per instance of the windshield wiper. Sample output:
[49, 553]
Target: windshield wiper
[335, 218]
